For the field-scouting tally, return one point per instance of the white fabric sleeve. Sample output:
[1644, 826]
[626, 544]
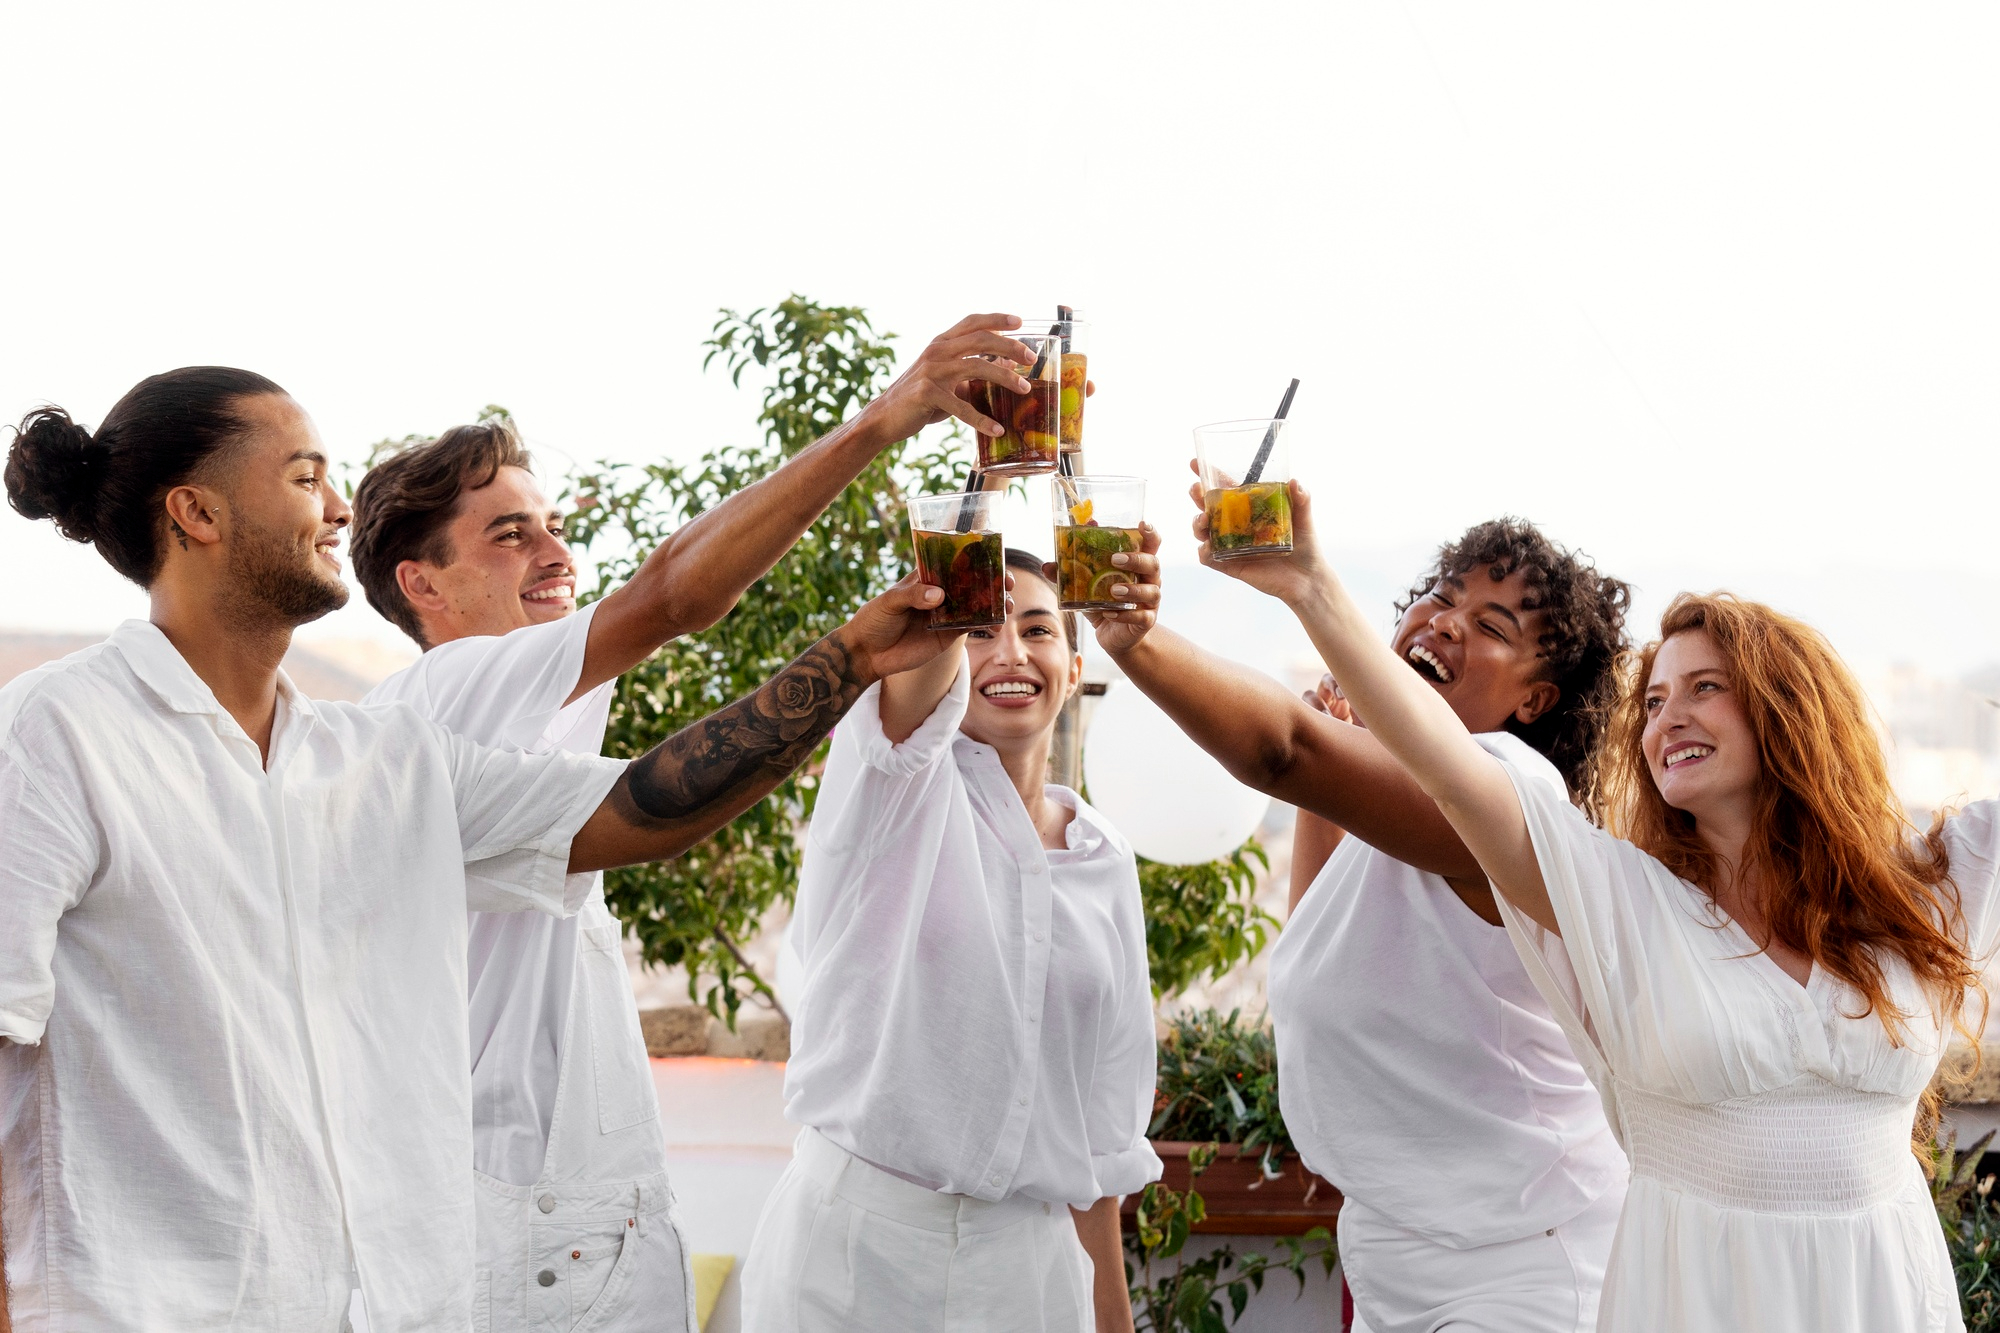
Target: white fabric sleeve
[1972, 836]
[871, 785]
[1121, 1158]
[505, 689]
[517, 814]
[46, 865]
[1595, 886]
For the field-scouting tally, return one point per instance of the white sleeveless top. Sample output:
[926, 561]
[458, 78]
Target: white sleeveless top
[1419, 1069]
[1773, 1185]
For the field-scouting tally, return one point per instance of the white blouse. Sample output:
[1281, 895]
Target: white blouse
[977, 1015]
[232, 994]
[1773, 1186]
[1420, 1070]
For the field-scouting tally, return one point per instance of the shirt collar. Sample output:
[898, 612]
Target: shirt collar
[161, 669]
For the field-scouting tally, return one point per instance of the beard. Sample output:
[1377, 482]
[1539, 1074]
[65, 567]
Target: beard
[273, 580]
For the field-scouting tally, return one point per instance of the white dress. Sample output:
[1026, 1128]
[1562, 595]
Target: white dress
[1773, 1187]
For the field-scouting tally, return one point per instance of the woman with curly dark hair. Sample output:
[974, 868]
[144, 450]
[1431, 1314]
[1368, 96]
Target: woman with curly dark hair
[1758, 959]
[1420, 1071]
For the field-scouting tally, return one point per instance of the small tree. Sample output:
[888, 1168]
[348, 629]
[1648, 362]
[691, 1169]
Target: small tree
[824, 363]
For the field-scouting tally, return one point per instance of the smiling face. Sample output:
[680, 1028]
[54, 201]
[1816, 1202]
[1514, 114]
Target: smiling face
[508, 564]
[1022, 670]
[281, 554]
[1478, 643]
[1698, 742]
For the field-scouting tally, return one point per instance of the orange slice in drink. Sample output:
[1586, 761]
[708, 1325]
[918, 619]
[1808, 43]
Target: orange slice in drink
[1080, 512]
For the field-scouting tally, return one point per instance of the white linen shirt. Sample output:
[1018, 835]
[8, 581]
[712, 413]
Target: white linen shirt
[232, 994]
[1418, 1067]
[513, 690]
[977, 1015]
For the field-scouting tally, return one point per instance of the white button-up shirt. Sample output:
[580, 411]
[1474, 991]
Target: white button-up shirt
[976, 1015]
[232, 994]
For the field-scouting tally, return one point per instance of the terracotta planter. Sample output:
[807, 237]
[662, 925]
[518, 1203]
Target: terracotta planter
[1240, 1201]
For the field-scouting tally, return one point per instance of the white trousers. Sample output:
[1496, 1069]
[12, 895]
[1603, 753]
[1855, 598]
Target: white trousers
[844, 1246]
[1544, 1283]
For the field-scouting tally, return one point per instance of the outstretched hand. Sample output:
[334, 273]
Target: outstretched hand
[977, 347]
[1287, 576]
[892, 633]
[1119, 631]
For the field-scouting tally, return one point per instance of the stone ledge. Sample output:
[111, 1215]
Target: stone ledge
[1962, 1084]
[688, 1029]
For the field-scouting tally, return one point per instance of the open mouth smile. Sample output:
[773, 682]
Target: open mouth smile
[1428, 665]
[1015, 693]
[554, 592]
[1686, 754]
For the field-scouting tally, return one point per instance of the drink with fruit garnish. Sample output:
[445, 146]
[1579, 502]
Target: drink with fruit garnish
[1096, 518]
[1249, 520]
[1245, 470]
[1075, 375]
[1031, 421]
[959, 550]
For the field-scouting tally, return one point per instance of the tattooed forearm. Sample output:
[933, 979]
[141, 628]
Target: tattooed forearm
[758, 739]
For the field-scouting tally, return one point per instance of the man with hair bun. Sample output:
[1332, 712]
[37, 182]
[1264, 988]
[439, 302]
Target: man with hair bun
[1419, 1069]
[233, 1063]
[456, 544]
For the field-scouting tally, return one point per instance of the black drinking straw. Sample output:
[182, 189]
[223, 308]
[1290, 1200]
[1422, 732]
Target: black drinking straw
[1270, 437]
[1065, 316]
[974, 483]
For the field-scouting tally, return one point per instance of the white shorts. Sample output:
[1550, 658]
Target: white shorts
[843, 1245]
[1545, 1283]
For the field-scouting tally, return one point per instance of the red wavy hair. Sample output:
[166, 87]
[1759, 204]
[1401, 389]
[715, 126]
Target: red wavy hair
[1859, 882]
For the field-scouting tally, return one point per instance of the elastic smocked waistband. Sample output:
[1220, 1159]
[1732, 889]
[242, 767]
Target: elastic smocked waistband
[869, 1187]
[1808, 1148]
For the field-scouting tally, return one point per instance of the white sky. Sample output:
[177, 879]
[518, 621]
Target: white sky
[1707, 290]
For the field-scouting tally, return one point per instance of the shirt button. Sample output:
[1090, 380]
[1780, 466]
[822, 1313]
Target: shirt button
[547, 1203]
[546, 1277]
[995, 1180]
[1038, 937]
[1024, 1101]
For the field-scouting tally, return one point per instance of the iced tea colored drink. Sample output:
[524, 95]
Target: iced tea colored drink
[1249, 520]
[1075, 375]
[1031, 421]
[1096, 518]
[1245, 470]
[959, 550]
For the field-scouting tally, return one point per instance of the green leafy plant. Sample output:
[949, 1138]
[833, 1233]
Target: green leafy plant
[1173, 1294]
[1200, 920]
[1218, 1079]
[1971, 1223]
[822, 363]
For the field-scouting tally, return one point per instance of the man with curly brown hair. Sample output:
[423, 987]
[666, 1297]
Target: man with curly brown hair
[1419, 1069]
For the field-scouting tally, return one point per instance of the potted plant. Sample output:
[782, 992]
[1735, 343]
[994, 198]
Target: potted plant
[1218, 1085]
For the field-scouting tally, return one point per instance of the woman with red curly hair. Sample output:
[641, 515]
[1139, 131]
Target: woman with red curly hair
[1759, 961]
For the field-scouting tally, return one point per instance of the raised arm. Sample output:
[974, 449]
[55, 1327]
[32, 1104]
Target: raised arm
[1272, 740]
[711, 771]
[694, 578]
[1411, 722]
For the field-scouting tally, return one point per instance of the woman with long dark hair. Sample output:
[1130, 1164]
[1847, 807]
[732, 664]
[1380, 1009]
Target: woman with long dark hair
[1758, 959]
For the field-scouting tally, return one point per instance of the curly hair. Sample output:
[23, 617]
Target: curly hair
[1583, 638]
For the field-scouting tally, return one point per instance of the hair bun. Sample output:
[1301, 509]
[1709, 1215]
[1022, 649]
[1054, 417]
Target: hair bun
[54, 470]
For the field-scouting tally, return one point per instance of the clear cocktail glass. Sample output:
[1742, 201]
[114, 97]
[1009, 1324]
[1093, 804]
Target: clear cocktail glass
[1032, 421]
[1245, 469]
[1075, 335]
[1096, 518]
[959, 549]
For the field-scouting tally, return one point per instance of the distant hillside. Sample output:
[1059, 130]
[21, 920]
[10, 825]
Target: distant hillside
[333, 670]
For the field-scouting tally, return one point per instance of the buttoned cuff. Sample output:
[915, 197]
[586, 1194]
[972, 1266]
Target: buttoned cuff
[925, 746]
[1125, 1172]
